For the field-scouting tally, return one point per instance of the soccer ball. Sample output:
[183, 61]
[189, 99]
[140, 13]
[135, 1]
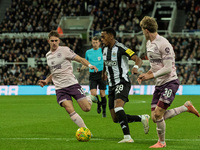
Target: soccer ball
[83, 134]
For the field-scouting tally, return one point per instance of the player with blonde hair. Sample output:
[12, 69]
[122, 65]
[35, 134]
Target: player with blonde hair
[162, 61]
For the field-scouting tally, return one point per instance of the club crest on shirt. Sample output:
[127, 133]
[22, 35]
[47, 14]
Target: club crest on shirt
[58, 55]
[99, 58]
[155, 48]
[167, 50]
[114, 54]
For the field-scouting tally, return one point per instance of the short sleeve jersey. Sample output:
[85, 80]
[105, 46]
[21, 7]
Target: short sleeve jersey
[116, 63]
[60, 66]
[95, 58]
[158, 50]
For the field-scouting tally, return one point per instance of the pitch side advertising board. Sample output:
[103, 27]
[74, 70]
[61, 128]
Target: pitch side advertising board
[50, 90]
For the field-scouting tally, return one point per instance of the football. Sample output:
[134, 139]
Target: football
[83, 134]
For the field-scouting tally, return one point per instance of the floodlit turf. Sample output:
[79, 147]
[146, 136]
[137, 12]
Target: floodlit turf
[39, 123]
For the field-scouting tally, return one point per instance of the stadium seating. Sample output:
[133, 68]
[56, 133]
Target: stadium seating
[40, 16]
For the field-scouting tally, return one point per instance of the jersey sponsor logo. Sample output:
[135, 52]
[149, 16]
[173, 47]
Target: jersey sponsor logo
[155, 60]
[129, 52]
[56, 66]
[110, 63]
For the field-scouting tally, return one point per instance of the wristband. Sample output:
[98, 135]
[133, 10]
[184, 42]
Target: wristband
[89, 65]
[135, 66]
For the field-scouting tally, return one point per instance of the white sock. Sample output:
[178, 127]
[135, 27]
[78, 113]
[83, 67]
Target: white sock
[77, 119]
[161, 130]
[174, 112]
[127, 137]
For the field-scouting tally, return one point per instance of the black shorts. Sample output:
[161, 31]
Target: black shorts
[100, 83]
[95, 79]
[119, 91]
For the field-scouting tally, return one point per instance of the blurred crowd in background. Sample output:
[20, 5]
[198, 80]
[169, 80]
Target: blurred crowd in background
[123, 15]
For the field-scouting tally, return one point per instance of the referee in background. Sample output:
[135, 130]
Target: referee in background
[95, 57]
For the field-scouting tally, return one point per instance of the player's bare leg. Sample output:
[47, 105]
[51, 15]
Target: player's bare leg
[73, 115]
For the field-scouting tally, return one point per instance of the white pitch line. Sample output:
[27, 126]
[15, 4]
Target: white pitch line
[137, 101]
[47, 139]
[96, 139]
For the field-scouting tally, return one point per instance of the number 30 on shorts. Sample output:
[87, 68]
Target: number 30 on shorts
[168, 92]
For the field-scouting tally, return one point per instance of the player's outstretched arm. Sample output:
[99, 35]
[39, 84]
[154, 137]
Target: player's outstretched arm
[85, 62]
[145, 76]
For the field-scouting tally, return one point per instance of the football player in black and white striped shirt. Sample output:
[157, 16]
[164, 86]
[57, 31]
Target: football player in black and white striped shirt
[116, 56]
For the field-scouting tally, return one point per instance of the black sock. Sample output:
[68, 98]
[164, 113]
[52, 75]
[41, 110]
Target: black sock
[104, 103]
[122, 120]
[133, 118]
[98, 101]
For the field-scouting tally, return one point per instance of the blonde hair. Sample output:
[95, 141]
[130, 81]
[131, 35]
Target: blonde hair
[96, 38]
[149, 23]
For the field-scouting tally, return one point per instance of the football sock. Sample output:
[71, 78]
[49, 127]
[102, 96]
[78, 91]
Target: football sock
[133, 118]
[161, 130]
[122, 120]
[103, 103]
[77, 119]
[98, 105]
[173, 112]
[127, 137]
[98, 101]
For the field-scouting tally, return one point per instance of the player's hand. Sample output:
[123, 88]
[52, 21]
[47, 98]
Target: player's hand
[146, 76]
[42, 83]
[94, 67]
[134, 71]
[139, 80]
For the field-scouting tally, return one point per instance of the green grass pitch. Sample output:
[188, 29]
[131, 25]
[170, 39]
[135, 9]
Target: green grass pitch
[39, 123]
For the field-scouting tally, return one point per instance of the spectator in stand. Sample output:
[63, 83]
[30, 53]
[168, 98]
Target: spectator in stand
[191, 59]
